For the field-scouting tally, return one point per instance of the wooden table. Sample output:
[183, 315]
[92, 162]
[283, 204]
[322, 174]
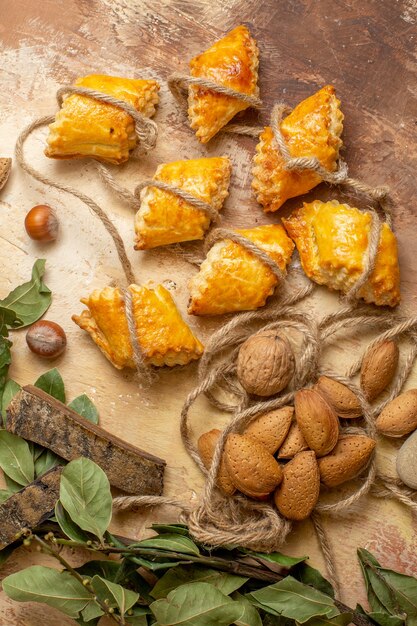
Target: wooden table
[366, 49]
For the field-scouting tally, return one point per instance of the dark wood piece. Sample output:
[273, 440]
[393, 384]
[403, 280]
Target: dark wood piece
[29, 507]
[36, 416]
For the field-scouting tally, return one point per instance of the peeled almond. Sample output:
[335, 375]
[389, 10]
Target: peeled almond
[206, 446]
[252, 469]
[299, 491]
[407, 461]
[378, 368]
[293, 443]
[317, 421]
[350, 456]
[340, 397]
[399, 417]
[271, 428]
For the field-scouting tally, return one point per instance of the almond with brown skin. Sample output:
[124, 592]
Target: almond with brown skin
[252, 469]
[399, 417]
[340, 397]
[271, 428]
[298, 493]
[206, 446]
[317, 421]
[5, 167]
[350, 456]
[378, 368]
[293, 444]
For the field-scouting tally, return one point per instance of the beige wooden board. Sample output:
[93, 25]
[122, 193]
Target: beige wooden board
[366, 49]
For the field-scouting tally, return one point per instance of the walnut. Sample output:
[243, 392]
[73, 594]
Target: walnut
[265, 363]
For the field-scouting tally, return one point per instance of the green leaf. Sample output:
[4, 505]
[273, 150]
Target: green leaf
[176, 529]
[105, 568]
[85, 407]
[311, 576]
[44, 584]
[85, 495]
[249, 616]
[5, 360]
[226, 583]
[294, 600]
[15, 458]
[154, 565]
[68, 527]
[117, 596]
[383, 619]
[30, 300]
[171, 542]
[140, 620]
[11, 388]
[51, 382]
[404, 589]
[196, 604]
[46, 461]
[340, 620]
[81, 622]
[366, 559]
[12, 486]
[5, 495]
[8, 319]
[91, 611]
[276, 557]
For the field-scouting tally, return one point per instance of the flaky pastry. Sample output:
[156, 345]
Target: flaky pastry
[332, 240]
[86, 127]
[232, 278]
[165, 218]
[163, 336]
[312, 129]
[231, 62]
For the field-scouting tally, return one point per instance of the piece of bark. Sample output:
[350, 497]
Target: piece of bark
[36, 416]
[29, 507]
[5, 167]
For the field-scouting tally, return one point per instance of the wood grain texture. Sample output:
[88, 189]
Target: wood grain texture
[365, 48]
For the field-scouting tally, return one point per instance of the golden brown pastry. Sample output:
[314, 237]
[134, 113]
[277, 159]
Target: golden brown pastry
[232, 62]
[164, 337]
[233, 279]
[313, 129]
[164, 218]
[332, 240]
[86, 127]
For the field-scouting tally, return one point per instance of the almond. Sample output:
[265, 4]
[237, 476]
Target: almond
[293, 444]
[340, 397]
[399, 417]
[271, 428]
[252, 469]
[350, 456]
[378, 368]
[298, 493]
[317, 421]
[5, 167]
[407, 461]
[206, 446]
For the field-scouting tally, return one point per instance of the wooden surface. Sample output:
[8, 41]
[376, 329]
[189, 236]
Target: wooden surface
[365, 48]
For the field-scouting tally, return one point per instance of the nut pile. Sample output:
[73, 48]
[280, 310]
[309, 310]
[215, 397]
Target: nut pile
[288, 453]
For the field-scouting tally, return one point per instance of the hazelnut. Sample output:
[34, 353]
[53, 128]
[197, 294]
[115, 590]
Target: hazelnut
[46, 339]
[41, 223]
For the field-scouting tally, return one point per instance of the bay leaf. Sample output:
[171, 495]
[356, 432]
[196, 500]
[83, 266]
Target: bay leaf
[344, 619]
[68, 527]
[51, 382]
[85, 495]
[311, 576]
[32, 299]
[116, 595]
[171, 542]
[104, 568]
[178, 529]
[139, 620]
[91, 611]
[49, 586]
[8, 320]
[381, 618]
[5, 495]
[15, 458]
[46, 461]
[5, 360]
[405, 590]
[294, 600]
[84, 407]
[93, 622]
[276, 557]
[11, 485]
[11, 388]
[155, 564]
[226, 583]
[196, 604]
[365, 560]
[249, 615]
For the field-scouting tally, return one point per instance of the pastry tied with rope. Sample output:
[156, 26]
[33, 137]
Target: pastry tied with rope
[232, 278]
[85, 127]
[164, 218]
[312, 129]
[164, 337]
[332, 240]
[231, 62]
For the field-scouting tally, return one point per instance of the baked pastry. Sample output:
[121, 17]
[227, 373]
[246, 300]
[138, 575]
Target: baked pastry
[313, 129]
[231, 62]
[232, 278]
[165, 218]
[86, 127]
[332, 240]
[164, 337]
